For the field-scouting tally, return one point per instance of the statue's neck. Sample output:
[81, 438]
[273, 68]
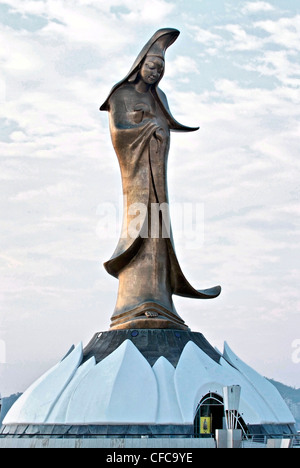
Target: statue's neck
[142, 87]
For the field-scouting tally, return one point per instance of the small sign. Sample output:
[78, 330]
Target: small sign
[205, 425]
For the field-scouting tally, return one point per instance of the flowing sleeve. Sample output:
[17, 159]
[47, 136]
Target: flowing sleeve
[173, 124]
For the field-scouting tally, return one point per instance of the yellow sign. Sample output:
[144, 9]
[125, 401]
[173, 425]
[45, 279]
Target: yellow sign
[205, 425]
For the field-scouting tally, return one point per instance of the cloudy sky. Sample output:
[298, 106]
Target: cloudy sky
[235, 72]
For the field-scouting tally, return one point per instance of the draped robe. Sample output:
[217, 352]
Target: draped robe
[146, 266]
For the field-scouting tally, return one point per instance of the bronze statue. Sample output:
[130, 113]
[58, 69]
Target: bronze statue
[145, 262]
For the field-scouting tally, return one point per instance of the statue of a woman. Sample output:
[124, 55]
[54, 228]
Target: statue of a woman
[145, 261]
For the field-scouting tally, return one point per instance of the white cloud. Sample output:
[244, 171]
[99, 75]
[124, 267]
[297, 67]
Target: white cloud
[73, 22]
[293, 209]
[256, 7]
[284, 31]
[153, 12]
[241, 39]
[182, 65]
[279, 64]
[18, 136]
[85, 28]
[94, 23]
[64, 188]
[9, 261]
[58, 164]
[206, 37]
[19, 55]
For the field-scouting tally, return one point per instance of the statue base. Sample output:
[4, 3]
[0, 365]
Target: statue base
[149, 315]
[144, 382]
[151, 343]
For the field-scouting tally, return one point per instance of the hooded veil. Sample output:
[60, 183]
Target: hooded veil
[147, 268]
[157, 45]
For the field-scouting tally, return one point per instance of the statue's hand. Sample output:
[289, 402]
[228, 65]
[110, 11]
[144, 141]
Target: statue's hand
[147, 130]
[140, 112]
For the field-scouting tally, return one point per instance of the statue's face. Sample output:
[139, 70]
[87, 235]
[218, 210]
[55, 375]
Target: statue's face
[152, 69]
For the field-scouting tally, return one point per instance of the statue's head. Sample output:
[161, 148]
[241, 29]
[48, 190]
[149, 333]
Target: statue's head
[150, 71]
[151, 58]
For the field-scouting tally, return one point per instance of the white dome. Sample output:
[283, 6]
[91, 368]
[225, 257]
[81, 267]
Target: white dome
[123, 388]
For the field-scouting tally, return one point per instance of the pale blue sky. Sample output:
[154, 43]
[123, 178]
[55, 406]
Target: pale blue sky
[235, 71]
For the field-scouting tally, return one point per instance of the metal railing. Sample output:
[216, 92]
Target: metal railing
[261, 441]
[248, 441]
[99, 436]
